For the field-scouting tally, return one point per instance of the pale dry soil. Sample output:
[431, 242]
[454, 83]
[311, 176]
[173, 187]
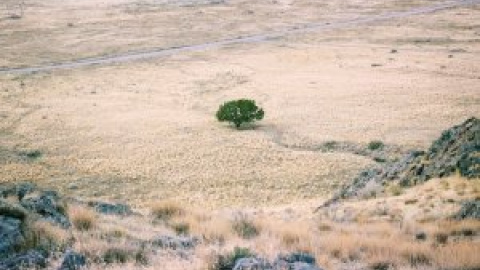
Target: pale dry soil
[145, 131]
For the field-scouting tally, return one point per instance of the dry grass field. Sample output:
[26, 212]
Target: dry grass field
[145, 131]
[411, 230]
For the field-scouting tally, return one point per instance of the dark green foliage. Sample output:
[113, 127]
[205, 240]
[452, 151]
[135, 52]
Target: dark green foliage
[239, 112]
[375, 145]
[227, 261]
[34, 154]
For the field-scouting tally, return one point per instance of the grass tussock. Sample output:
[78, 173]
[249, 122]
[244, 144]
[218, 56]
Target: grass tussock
[167, 210]
[45, 236]
[227, 260]
[83, 219]
[245, 227]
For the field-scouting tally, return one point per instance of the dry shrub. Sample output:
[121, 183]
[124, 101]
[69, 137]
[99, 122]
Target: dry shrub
[395, 190]
[83, 219]
[324, 227]
[181, 228]
[117, 255]
[245, 227]
[211, 229]
[411, 201]
[117, 232]
[227, 260]
[166, 210]
[292, 235]
[341, 245]
[46, 236]
[461, 255]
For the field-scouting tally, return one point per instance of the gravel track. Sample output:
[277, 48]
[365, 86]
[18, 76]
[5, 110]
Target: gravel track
[163, 52]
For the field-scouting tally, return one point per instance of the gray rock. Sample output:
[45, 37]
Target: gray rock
[73, 261]
[24, 189]
[29, 259]
[49, 206]
[295, 261]
[458, 148]
[10, 234]
[469, 210]
[302, 266]
[252, 264]
[175, 242]
[13, 210]
[297, 257]
[111, 208]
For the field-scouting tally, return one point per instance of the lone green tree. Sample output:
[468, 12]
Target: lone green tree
[239, 111]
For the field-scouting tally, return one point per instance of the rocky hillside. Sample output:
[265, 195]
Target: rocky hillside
[457, 150]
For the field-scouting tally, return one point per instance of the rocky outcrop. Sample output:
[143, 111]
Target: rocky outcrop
[457, 149]
[469, 210]
[252, 264]
[175, 242]
[73, 261]
[49, 206]
[292, 261]
[111, 208]
[44, 204]
[21, 205]
[27, 260]
[10, 234]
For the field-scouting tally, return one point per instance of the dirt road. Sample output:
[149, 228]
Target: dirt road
[155, 53]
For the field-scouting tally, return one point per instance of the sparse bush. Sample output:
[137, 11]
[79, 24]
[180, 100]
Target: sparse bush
[46, 237]
[375, 145]
[114, 233]
[381, 265]
[166, 210]
[411, 201]
[330, 145]
[239, 112]
[441, 238]
[324, 227]
[395, 190]
[227, 261]
[83, 219]
[116, 255]
[141, 256]
[421, 236]
[245, 228]
[181, 228]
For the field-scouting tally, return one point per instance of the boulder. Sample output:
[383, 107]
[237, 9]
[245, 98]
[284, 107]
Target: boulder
[302, 266]
[29, 259]
[175, 242]
[49, 206]
[295, 261]
[10, 234]
[252, 264]
[111, 208]
[12, 210]
[18, 190]
[73, 261]
[469, 210]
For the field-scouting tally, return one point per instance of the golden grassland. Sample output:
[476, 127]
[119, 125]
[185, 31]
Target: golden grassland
[143, 132]
[388, 231]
